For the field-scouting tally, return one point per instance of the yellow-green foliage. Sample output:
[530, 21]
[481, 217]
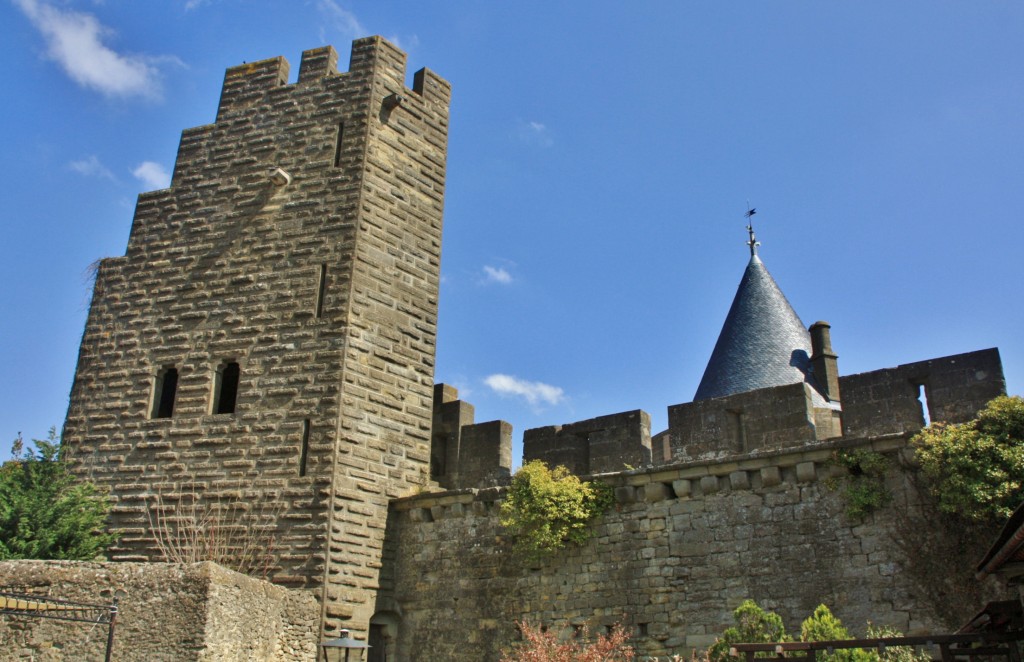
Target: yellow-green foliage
[753, 625]
[756, 626]
[896, 653]
[546, 509]
[976, 469]
[823, 626]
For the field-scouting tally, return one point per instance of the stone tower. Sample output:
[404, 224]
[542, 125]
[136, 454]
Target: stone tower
[268, 337]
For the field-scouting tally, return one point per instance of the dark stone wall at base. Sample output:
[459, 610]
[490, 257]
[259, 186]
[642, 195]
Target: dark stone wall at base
[179, 612]
[682, 548]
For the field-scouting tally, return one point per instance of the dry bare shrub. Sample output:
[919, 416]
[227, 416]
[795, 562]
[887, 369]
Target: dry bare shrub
[236, 533]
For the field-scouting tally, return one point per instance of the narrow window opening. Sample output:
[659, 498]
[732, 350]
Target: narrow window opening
[641, 629]
[922, 399]
[226, 388]
[577, 631]
[304, 453]
[165, 388]
[321, 288]
[337, 145]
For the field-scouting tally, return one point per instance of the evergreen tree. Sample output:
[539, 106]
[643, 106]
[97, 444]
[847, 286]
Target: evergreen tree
[45, 512]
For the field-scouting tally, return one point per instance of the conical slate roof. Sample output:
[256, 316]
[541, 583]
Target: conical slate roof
[763, 342]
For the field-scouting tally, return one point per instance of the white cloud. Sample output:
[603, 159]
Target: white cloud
[75, 41]
[342, 19]
[194, 4]
[535, 133]
[152, 175]
[91, 167]
[496, 275]
[533, 392]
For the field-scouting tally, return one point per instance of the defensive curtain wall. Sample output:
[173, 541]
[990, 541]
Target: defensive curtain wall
[688, 539]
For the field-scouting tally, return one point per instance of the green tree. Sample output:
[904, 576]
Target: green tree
[546, 509]
[975, 469]
[753, 625]
[45, 513]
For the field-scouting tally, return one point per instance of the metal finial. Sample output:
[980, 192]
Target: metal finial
[752, 242]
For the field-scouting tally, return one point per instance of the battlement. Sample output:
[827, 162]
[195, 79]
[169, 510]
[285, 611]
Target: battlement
[951, 389]
[758, 472]
[464, 453]
[773, 417]
[372, 57]
[598, 445]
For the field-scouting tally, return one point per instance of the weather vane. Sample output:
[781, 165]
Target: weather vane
[752, 242]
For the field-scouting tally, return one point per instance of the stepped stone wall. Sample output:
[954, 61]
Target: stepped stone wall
[316, 284]
[199, 612]
[683, 546]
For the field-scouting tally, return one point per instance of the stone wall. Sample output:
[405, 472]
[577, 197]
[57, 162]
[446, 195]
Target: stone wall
[318, 286]
[683, 546]
[873, 403]
[741, 423]
[464, 453]
[598, 445]
[167, 612]
[891, 400]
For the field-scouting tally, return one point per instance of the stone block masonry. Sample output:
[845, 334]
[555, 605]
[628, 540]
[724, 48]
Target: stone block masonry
[268, 336]
[196, 612]
[683, 546]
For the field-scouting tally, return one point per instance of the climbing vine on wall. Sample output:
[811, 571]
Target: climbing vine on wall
[547, 509]
[864, 483]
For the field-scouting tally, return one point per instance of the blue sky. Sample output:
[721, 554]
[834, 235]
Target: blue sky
[601, 156]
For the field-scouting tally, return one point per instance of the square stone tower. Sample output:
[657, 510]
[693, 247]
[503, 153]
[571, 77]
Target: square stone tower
[268, 337]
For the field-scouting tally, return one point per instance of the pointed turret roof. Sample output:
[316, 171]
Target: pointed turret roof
[763, 342]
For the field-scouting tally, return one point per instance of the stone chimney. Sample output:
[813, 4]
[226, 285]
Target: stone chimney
[824, 361]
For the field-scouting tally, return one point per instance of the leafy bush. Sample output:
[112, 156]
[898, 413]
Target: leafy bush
[753, 625]
[540, 645]
[896, 653]
[546, 509]
[976, 469]
[822, 625]
[45, 512]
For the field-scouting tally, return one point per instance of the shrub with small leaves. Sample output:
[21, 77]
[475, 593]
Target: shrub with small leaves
[976, 469]
[822, 625]
[896, 653]
[753, 625]
[546, 509]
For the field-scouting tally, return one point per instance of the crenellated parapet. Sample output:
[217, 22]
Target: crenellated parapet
[598, 445]
[951, 389]
[889, 401]
[464, 454]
